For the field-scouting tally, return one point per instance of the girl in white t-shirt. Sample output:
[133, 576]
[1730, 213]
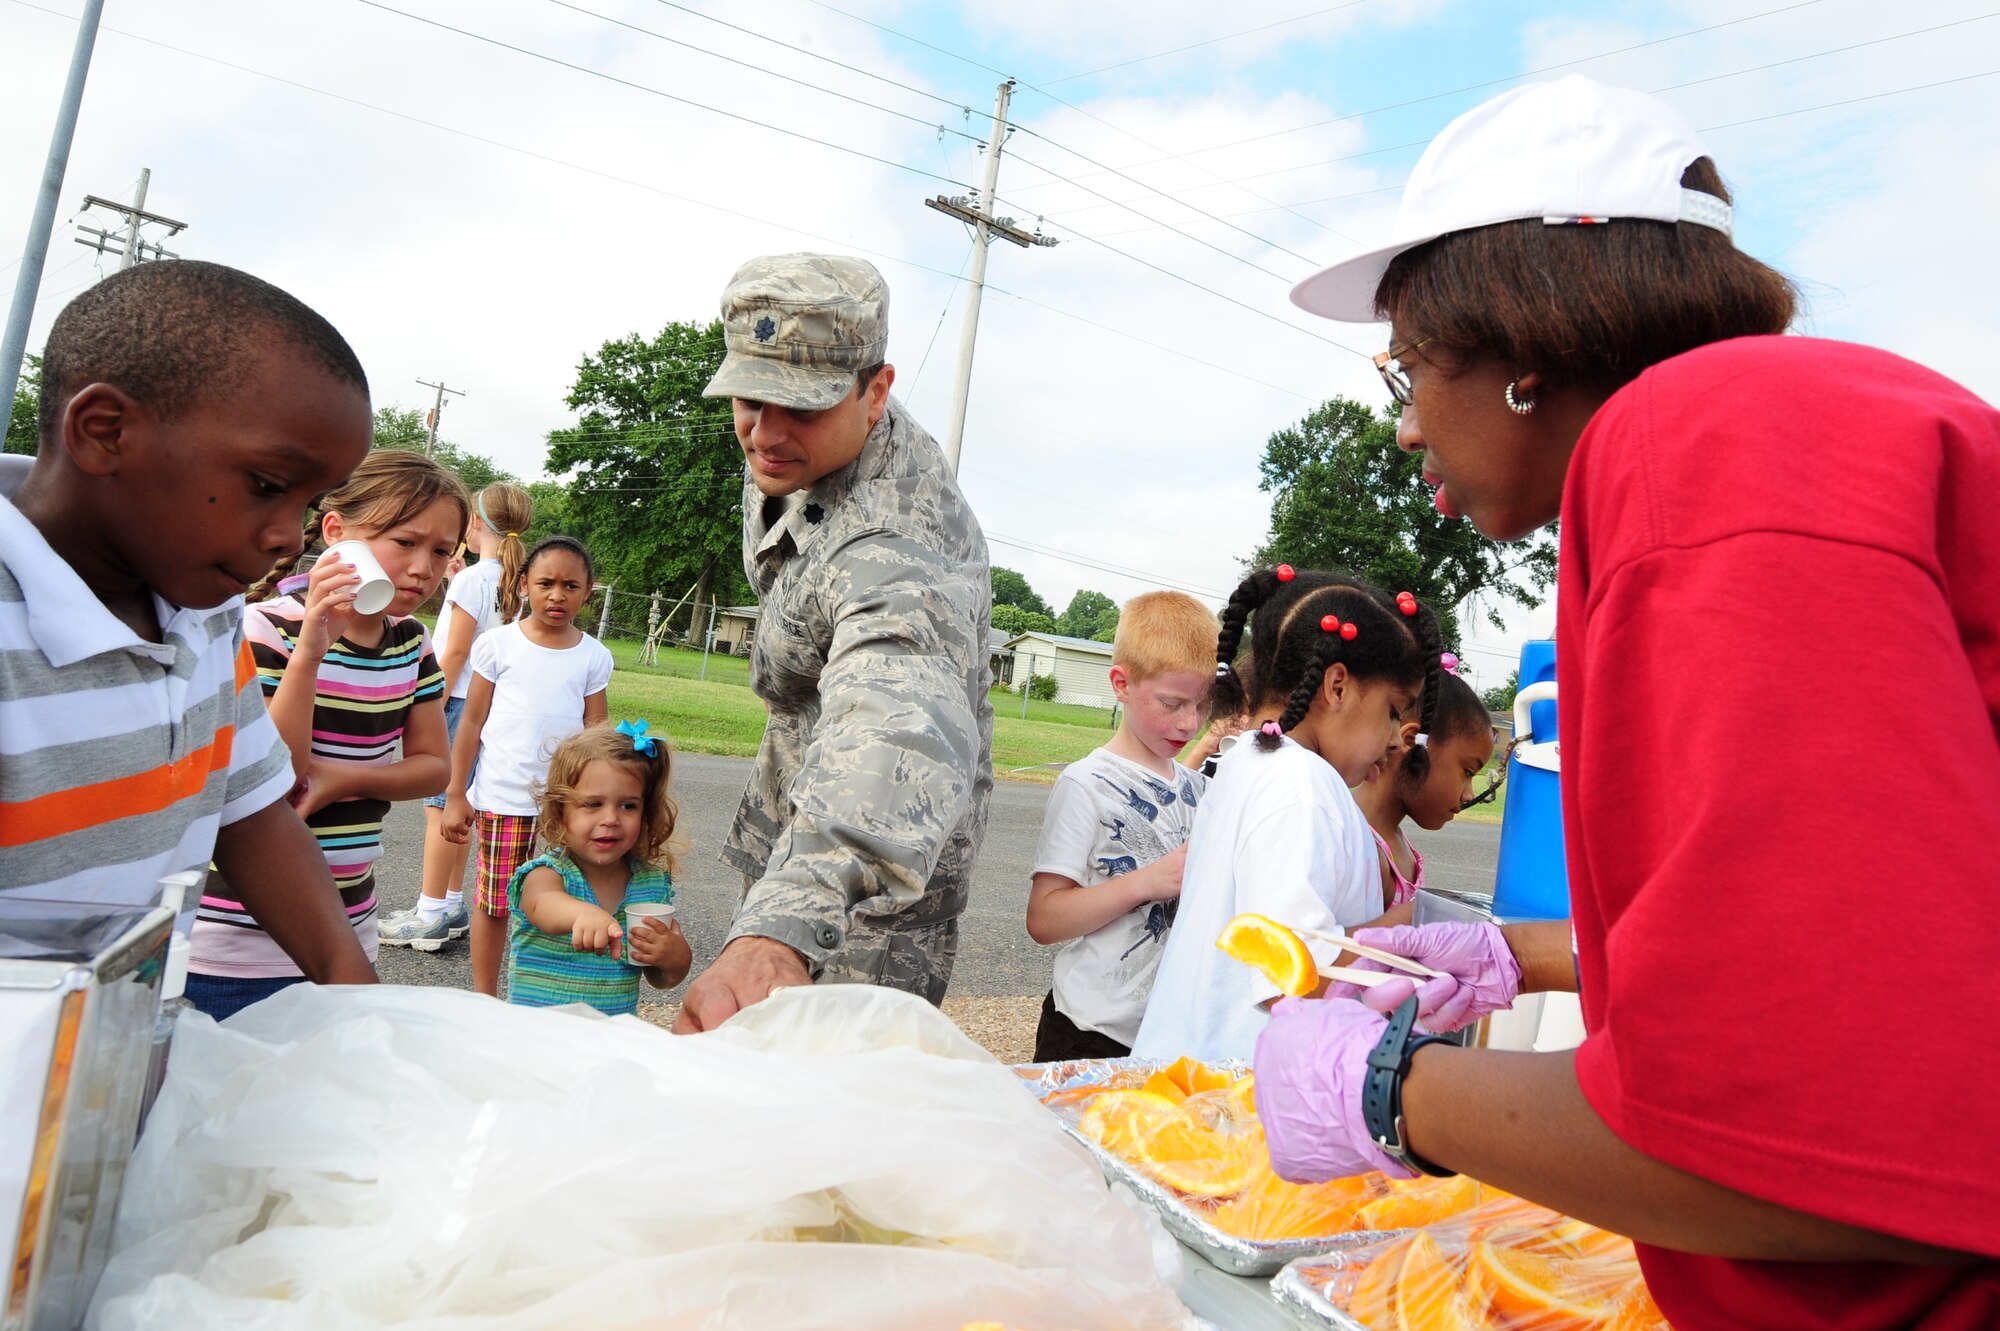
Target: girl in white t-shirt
[536, 681]
[478, 597]
[1339, 665]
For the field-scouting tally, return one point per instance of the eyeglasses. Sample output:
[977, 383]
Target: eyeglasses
[1390, 365]
[1495, 777]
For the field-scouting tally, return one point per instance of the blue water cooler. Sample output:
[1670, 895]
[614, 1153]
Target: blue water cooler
[1533, 880]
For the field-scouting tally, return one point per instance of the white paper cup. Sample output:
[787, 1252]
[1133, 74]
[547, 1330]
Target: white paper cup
[659, 913]
[372, 597]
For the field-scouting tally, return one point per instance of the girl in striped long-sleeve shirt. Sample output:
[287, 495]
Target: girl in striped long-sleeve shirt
[345, 689]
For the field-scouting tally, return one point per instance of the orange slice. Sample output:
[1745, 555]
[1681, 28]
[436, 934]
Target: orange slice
[1243, 1097]
[1532, 1290]
[1369, 1301]
[1116, 1119]
[1270, 947]
[1194, 1076]
[1270, 1208]
[1187, 1156]
[1414, 1205]
[1638, 1312]
[1428, 1295]
[1162, 1084]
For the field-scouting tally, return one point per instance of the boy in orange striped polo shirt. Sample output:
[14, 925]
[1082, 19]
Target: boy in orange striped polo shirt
[189, 414]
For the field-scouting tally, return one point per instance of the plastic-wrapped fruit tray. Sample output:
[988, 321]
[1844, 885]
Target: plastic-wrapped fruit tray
[1300, 1288]
[1067, 1084]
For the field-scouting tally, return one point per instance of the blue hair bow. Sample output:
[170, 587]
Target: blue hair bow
[641, 741]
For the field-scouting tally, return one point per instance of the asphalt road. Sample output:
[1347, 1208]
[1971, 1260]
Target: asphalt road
[996, 957]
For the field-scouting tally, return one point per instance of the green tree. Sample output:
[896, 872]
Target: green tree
[1081, 618]
[403, 427]
[1345, 497]
[1106, 627]
[656, 474]
[1010, 588]
[24, 430]
[554, 515]
[1500, 698]
[1012, 619]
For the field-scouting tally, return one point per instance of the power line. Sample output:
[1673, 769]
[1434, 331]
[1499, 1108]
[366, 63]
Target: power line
[1664, 88]
[747, 64]
[1693, 82]
[1120, 203]
[681, 198]
[1486, 83]
[879, 27]
[1242, 305]
[658, 92]
[1057, 176]
[1851, 101]
[1186, 161]
[1195, 46]
[815, 55]
[1149, 579]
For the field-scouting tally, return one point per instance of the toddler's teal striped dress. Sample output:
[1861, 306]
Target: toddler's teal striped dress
[543, 970]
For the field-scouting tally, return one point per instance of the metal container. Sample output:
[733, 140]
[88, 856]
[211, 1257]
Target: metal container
[1225, 1251]
[79, 996]
[1302, 1288]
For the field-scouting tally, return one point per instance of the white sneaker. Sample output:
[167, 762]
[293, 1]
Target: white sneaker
[407, 929]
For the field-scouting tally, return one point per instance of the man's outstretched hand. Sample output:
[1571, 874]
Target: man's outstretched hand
[746, 972]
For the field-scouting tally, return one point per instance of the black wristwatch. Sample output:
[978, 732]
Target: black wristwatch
[1382, 1096]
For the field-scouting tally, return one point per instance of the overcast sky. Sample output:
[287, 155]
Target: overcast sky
[484, 215]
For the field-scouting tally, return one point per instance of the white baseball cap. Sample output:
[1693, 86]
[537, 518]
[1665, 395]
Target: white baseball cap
[1570, 152]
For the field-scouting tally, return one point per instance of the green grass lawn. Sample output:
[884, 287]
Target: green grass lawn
[721, 715]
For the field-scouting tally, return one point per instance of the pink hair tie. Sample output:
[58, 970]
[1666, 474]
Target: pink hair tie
[1273, 729]
[1449, 661]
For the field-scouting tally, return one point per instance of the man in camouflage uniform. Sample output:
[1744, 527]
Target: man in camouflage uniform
[857, 834]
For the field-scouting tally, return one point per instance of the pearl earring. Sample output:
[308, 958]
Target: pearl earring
[1515, 405]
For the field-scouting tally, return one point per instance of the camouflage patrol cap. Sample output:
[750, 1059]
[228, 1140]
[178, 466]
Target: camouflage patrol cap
[799, 327]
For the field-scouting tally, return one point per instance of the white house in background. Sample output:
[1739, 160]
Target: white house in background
[735, 629]
[1082, 668]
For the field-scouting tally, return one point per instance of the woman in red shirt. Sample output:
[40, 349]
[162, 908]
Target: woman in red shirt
[1779, 635]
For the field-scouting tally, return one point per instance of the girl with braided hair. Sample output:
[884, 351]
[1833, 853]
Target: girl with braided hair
[1339, 665]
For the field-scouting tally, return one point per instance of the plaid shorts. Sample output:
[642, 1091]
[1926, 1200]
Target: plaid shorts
[506, 842]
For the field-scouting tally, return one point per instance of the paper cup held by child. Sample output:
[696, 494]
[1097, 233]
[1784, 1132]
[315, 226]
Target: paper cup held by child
[658, 912]
[372, 597]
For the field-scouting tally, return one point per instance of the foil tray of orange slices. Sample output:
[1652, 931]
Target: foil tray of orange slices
[1184, 1137]
[1507, 1265]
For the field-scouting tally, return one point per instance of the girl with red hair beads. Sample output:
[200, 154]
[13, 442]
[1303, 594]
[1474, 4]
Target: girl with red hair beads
[1339, 667]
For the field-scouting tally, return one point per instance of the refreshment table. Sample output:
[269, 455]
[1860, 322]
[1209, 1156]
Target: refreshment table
[1233, 1303]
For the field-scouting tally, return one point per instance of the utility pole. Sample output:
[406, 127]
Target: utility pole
[125, 241]
[15, 341]
[138, 211]
[431, 443]
[979, 212]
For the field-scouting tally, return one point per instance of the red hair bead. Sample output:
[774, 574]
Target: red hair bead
[1286, 573]
[1330, 623]
[1348, 630]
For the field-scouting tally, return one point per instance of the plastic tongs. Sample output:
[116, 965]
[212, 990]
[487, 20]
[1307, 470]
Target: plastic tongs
[1365, 979]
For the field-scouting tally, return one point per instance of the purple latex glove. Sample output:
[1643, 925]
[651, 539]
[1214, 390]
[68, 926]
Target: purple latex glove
[1312, 1064]
[1482, 975]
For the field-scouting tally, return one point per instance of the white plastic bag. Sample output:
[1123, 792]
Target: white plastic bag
[838, 1157]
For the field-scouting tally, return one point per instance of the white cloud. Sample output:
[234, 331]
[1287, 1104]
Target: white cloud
[441, 256]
